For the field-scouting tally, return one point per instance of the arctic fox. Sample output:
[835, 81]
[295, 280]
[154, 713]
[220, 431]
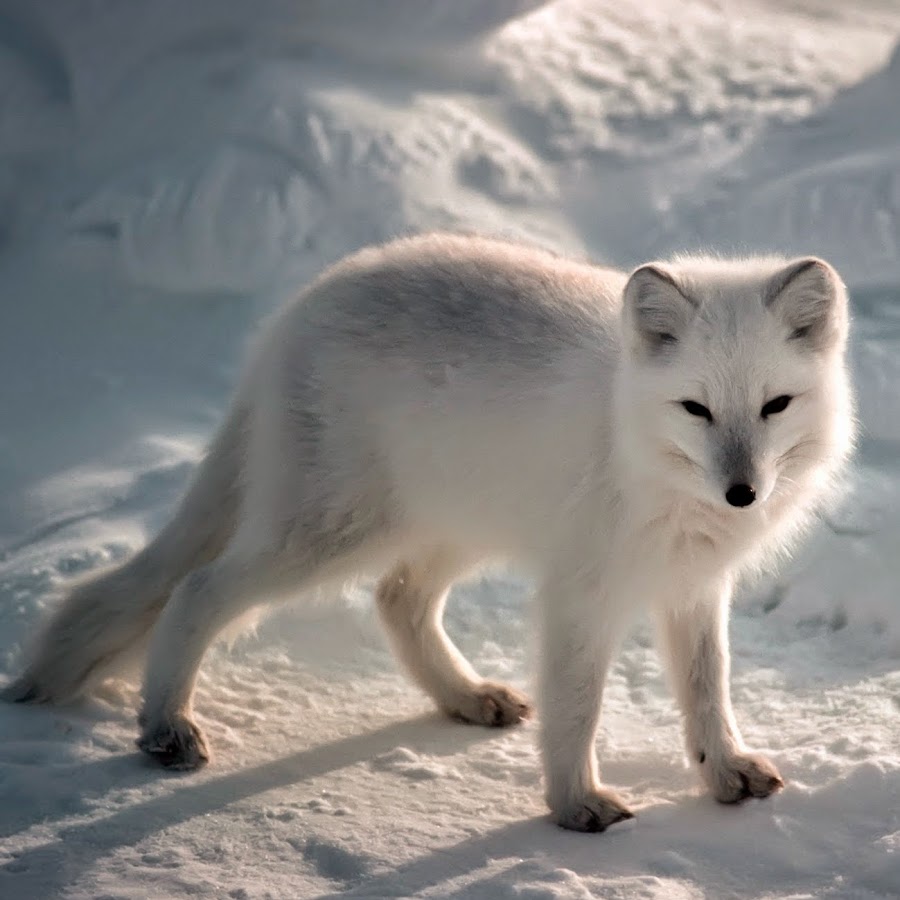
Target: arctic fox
[425, 406]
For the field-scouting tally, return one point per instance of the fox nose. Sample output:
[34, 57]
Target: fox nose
[740, 495]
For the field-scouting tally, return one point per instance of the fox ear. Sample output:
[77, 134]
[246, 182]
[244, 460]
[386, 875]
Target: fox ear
[657, 308]
[810, 298]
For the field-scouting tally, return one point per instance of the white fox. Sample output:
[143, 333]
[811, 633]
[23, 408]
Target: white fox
[441, 401]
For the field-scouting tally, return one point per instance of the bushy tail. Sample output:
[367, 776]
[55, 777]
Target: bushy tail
[108, 615]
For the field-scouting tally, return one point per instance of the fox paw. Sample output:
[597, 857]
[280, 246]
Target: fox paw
[175, 744]
[742, 775]
[43, 687]
[492, 704]
[594, 812]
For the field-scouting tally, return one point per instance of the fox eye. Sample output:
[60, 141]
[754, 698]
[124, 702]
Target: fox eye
[779, 404]
[697, 409]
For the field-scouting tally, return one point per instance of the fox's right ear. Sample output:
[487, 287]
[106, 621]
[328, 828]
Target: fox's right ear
[656, 308]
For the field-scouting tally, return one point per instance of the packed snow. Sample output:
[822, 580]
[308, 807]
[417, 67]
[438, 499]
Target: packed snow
[170, 171]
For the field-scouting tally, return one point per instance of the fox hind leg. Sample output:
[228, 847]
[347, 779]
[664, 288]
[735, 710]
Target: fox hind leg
[202, 604]
[411, 600]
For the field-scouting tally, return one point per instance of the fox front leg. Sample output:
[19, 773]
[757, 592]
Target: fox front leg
[575, 660]
[695, 639]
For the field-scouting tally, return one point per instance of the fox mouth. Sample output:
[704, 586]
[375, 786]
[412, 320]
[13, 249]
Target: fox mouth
[740, 494]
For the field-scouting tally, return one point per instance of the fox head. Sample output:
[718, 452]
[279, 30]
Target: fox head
[733, 386]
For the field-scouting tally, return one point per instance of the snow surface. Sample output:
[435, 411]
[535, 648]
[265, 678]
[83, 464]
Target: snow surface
[169, 171]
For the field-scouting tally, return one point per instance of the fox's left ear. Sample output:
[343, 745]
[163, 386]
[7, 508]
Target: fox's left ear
[810, 298]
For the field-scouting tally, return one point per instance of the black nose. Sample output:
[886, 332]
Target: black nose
[740, 495]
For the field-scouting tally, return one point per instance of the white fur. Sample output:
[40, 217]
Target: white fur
[441, 401]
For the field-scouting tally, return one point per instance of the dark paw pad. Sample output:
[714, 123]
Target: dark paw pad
[743, 776]
[179, 746]
[492, 704]
[595, 813]
[502, 706]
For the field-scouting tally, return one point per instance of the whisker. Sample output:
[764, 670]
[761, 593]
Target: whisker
[676, 454]
[801, 447]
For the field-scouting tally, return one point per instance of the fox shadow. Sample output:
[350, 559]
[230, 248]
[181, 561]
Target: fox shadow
[46, 870]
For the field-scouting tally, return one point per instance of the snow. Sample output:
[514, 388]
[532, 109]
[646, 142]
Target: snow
[169, 172]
